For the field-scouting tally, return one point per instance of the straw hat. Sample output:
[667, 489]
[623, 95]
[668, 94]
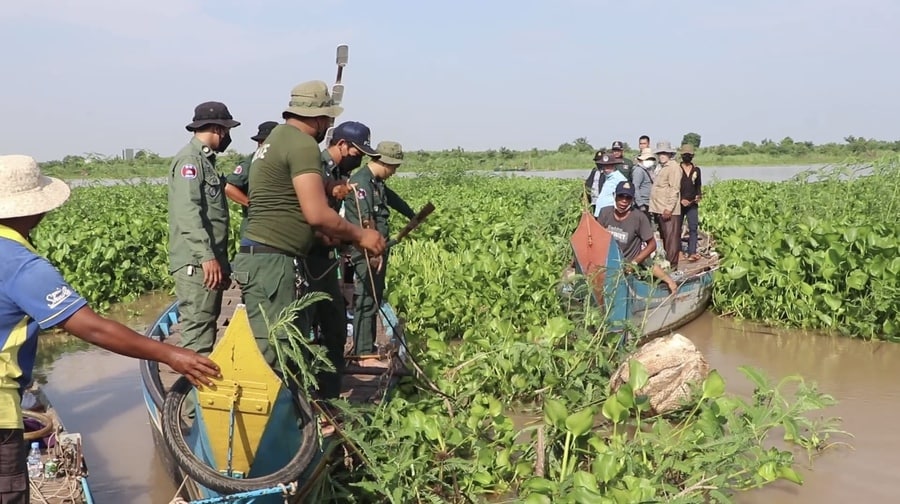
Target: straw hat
[25, 191]
[646, 153]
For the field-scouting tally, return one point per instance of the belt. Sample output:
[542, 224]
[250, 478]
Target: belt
[263, 249]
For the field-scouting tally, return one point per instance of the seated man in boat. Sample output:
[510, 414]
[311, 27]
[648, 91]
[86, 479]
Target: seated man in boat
[34, 297]
[633, 233]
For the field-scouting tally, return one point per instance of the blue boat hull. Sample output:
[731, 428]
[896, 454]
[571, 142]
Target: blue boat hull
[279, 443]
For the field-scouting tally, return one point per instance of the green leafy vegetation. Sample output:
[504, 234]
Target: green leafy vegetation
[822, 254]
[476, 286]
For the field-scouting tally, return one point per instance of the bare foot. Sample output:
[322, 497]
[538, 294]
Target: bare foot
[672, 286]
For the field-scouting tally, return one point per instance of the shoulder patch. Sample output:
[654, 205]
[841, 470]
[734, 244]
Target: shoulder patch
[189, 171]
[361, 194]
[239, 169]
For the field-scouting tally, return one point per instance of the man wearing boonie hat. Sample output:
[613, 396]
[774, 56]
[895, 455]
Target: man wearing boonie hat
[643, 180]
[665, 202]
[288, 205]
[237, 183]
[369, 207]
[633, 233]
[198, 226]
[349, 142]
[35, 297]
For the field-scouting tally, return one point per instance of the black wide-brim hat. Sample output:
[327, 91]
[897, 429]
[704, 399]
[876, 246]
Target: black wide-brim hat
[212, 113]
[264, 130]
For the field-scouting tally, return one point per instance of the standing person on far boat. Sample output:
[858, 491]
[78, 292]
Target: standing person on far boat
[369, 208]
[288, 205]
[665, 201]
[691, 192]
[349, 143]
[35, 297]
[237, 183]
[643, 180]
[198, 226]
[610, 177]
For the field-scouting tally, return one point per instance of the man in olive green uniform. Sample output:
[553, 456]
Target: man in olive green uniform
[237, 183]
[369, 206]
[349, 142]
[198, 226]
[289, 206]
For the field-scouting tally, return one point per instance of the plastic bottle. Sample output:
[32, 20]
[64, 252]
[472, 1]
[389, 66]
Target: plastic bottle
[35, 466]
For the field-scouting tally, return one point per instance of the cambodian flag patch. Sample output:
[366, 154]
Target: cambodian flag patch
[189, 171]
[239, 170]
[361, 194]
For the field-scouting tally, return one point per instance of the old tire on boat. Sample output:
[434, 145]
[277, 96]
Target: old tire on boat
[208, 477]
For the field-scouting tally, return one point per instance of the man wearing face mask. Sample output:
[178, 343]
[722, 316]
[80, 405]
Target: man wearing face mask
[198, 226]
[643, 179]
[349, 142]
[369, 207]
[289, 205]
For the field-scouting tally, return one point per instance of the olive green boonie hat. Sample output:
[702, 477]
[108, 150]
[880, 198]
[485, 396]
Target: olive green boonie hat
[311, 99]
[390, 153]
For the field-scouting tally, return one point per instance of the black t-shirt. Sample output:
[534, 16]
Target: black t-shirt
[690, 183]
[629, 233]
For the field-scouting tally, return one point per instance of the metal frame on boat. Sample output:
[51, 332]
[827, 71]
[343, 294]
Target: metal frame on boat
[627, 300]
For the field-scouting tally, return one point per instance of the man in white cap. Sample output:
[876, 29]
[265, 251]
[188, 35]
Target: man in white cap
[34, 297]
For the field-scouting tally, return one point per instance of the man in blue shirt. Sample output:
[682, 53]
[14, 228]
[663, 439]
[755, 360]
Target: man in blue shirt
[611, 178]
[35, 297]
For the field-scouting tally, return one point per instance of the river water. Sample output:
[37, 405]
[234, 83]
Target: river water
[98, 394]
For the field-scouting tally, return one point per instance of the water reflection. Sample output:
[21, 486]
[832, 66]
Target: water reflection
[858, 374]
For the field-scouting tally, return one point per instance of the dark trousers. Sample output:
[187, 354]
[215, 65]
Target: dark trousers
[330, 316]
[267, 285]
[670, 234]
[692, 215]
[199, 308]
[368, 304]
[14, 487]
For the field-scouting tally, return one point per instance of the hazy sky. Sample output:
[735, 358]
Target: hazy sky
[101, 75]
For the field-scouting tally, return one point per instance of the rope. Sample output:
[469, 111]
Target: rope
[419, 372]
[176, 499]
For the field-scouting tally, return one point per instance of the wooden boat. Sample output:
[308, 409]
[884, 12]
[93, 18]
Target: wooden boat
[253, 440]
[59, 447]
[640, 307]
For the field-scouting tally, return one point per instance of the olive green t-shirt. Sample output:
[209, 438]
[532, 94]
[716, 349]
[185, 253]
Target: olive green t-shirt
[274, 217]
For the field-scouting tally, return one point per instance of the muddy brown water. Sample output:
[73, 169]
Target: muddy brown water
[98, 394]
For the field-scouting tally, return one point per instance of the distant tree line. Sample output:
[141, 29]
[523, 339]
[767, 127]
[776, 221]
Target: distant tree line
[574, 154]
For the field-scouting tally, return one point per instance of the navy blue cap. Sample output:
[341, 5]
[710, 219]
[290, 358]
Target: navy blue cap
[625, 188]
[356, 133]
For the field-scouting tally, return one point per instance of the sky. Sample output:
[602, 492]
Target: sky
[98, 76]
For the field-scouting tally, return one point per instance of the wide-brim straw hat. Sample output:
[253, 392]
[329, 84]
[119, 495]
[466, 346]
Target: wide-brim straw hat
[25, 191]
[646, 153]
